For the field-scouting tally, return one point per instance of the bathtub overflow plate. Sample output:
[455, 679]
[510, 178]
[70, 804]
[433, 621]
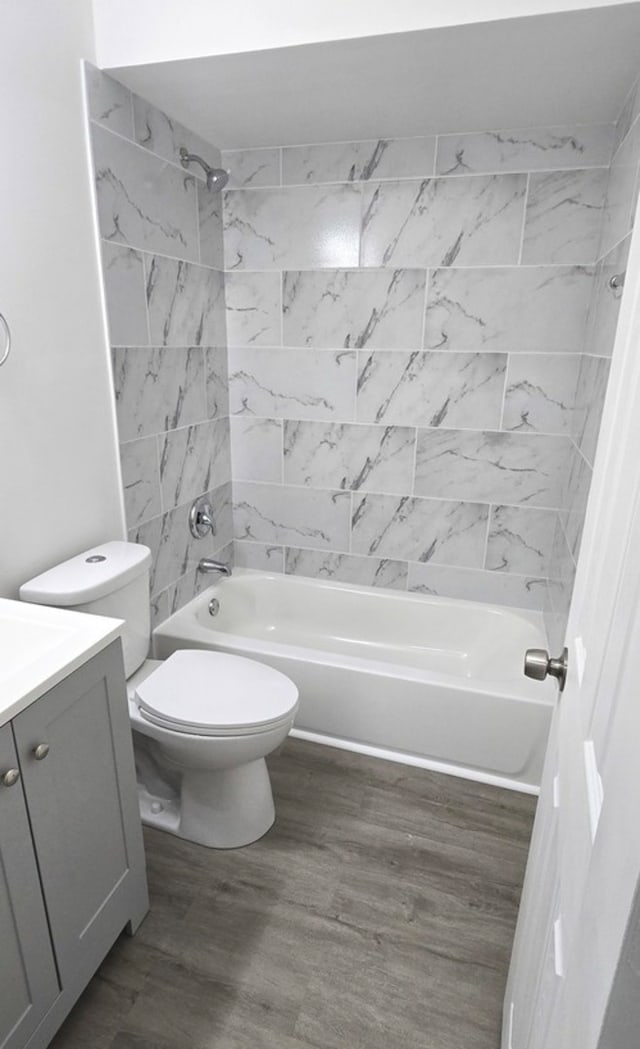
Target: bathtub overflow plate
[214, 606]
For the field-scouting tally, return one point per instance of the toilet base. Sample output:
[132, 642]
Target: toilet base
[223, 809]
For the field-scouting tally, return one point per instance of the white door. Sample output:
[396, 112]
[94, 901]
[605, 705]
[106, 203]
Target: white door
[584, 862]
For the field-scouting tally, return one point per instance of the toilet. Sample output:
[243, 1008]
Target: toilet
[203, 722]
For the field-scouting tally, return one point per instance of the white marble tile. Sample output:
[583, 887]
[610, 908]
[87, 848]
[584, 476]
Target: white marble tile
[140, 480]
[174, 551]
[378, 309]
[352, 456]
[559, 591]
[622, 191]
[193, 460]
[287, 516]
[254, 316]
[518, 310]
[258, 555]
[292, 384]
[251, 168]
[472, 584]
[210, 227]
[564, 216]
[520, 540]
[142, 201]
[531, 149]
[576, 493]
[157, 390]
[346, 568]
[165, 136]
[185, 303]
[628, 115]
[591, 390]
[109, 101]
[124, 288]
[298, 227]
[444, 532]
[522, 469]
[541, 393]
[358, 161]
[475, 221]
[431, 389]
[605, 304]
[159, 608]
[256, 449]
[216, 381]
[222, 504]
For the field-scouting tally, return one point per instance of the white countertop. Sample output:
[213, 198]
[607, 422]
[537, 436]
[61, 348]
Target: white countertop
[39, 646]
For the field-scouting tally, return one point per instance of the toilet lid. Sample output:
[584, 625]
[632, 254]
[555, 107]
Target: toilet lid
[212, 693]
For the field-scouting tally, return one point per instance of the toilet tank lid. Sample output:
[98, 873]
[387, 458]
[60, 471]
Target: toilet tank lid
[88, 576]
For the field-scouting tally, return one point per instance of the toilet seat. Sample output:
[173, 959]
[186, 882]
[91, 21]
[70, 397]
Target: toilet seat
[214, 694]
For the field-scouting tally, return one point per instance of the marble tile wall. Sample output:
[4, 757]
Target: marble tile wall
[614, 236]
[406, 324]
[164, 287]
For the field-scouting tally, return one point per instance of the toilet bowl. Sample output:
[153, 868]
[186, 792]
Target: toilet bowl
[203, 722]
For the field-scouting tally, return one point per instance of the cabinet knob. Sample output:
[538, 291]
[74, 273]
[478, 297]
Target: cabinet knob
[40, 752]
[10, 777]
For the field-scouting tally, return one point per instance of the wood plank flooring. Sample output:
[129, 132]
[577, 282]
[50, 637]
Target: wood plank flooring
[377, 913]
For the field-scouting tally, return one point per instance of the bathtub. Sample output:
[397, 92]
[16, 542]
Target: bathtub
[430, 681]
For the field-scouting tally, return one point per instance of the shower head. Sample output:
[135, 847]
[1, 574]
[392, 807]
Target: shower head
[217, 178]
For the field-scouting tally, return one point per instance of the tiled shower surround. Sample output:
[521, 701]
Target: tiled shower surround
[411, 403]
[164, 286]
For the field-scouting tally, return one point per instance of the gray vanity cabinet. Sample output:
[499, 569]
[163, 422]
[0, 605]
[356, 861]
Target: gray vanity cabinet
[84, 874]
[28, 979]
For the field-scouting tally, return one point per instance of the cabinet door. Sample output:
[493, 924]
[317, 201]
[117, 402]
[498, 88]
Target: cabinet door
[28, 980]
[82, 803]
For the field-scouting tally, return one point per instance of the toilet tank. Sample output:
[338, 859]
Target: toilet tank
[108, 580]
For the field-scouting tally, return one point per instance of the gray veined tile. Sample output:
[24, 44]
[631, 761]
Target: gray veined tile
[254, 316]
[517, 310]
[529, 149]
[472, 584]
[628, 115]
[210, 227]
[576, 494]
[251, 168]
[541, 393]
[216, 381]
[431, 389]
[590, 394]
[493, 467]
[140, 480]
[562, 572]
[445, 532]
[358, 161]
[124, 287]
[378, 309]
[298, 227]
[157, 390]
[142, 201]
[194, 460]
[256, 449]
[520, 540]
[292, 384]
[164, 136]
[261, 556]
[185, 302]
[347, 568]
[622, 191]
[291, 516]
[443, 222]
[109, 101]
[564, 216]
[351, 456]
[605, 304]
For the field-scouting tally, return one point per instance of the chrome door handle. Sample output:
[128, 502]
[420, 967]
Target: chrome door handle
[538, 664]
[40, 752]
[10, 777]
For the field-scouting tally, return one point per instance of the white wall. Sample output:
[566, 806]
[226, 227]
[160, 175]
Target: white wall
[59, 475]
[164, 30]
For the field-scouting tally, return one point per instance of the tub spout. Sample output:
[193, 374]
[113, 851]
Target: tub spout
[207, 564]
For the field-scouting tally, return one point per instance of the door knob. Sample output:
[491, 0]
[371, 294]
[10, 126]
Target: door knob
[538, 664]
[10, 777]
[40, 752]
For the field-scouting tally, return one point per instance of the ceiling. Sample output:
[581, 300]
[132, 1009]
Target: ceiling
[571, 67]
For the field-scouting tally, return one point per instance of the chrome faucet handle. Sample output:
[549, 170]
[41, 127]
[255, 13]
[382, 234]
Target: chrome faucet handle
[201, 519]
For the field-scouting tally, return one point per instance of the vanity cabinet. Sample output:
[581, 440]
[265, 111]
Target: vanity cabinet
[71, 848]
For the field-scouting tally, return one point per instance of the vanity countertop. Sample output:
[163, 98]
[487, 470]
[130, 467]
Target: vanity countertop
[39, 646]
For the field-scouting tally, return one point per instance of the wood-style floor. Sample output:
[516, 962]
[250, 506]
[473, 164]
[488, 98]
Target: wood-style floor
[377, 913]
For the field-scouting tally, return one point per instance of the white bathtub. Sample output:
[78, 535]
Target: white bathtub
[426, 680]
